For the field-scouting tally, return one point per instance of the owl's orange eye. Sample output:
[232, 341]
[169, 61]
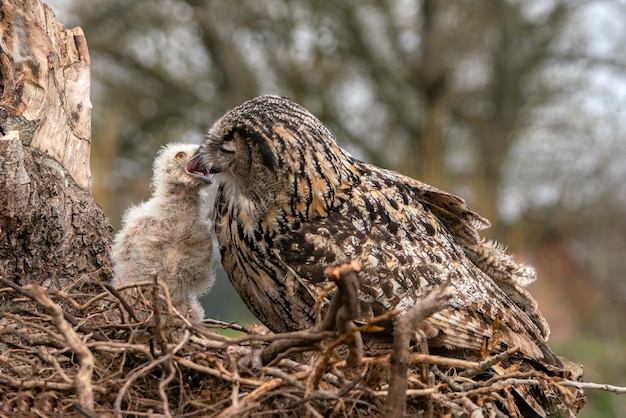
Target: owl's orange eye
[180, 155]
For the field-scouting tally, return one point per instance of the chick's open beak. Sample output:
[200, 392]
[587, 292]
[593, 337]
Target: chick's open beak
[195, 168]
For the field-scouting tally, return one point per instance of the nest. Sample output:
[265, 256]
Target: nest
[92, 350]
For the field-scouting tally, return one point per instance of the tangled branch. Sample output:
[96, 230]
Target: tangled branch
[126, 351]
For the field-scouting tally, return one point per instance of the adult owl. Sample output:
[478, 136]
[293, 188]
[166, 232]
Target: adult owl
[292, 202]
[169, 235]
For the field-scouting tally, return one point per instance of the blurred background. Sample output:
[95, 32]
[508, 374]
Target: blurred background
[518, 106]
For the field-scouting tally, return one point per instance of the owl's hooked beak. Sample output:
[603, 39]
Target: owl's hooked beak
[195, 168]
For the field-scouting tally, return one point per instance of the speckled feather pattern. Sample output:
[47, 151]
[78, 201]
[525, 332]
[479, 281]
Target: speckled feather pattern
[169, 235]
[292, 202]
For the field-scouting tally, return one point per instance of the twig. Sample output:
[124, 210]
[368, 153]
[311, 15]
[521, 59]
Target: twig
[27, 384]
[468, 405]
[253, 396]
[115, 347]
[78, 306]
[162, 385]
[156, 307]
[343, 309]
[232, 355]
[273, 371]
[595, 386]
[225, 325]
[448, 380]
[410, 393]
[484, 365]
[82, 381]
[69, 318]
[117, 405]
[222, 373]
[349, 310]
[404, 328]
[441, 361]
[255, 363]
[112, 290]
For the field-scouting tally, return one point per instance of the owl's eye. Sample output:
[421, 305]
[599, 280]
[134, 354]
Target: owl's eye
[227, 147]
[180, 155]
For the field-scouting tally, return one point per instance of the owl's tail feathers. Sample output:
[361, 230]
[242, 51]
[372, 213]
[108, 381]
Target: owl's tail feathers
[459, 330]
[510, 276]
[465, 336]
[491, 257]
[544, 400]
[452, 212]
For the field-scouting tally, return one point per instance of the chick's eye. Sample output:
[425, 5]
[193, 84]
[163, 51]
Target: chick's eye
[180, 155]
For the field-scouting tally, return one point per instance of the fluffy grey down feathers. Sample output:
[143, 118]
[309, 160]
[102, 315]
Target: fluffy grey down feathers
[169, 235]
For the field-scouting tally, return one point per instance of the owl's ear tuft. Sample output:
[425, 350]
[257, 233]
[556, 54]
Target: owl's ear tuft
[267, 154]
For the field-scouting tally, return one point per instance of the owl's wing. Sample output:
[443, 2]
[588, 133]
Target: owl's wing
[450, 209]
[406, 249]
[490, 257]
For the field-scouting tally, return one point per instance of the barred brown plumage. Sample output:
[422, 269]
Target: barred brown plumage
[292, 202]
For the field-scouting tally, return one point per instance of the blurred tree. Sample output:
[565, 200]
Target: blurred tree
[438, 91]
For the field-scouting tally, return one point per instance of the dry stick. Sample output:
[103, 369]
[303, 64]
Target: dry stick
[468, 405]
[37, 383]
[517, 381]
[442, 361]
[53, 362]
[225, 325]
[222, 373]
[256, 351]
[162, 385]
[484, 365]
[341, 315]
[324, 394]
[286, 341]
[156, 307]
[347, 286]
[410, 393]
[117, 405]
[404, 328]
[510, 403]
[82, 381]
[420, 358]
[112, 290]
[328, 377]
[596, 386]
[115, 347]
[533, 374]
[253, 396]
[69, 318]
[344, 306]
[447, 380]
[275, 372]
[306, 336]
[236, 382]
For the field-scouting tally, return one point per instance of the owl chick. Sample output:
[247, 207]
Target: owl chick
[169, 235]
[292, 202]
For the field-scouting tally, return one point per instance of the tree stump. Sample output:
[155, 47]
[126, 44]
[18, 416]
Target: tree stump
[51, 230]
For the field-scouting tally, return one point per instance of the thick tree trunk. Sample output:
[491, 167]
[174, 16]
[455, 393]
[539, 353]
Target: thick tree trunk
[51, 230]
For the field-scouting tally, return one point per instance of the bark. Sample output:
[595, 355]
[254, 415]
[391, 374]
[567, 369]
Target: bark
[51, 230]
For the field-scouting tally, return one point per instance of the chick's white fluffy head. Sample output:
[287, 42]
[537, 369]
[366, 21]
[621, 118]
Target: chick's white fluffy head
[170, 174]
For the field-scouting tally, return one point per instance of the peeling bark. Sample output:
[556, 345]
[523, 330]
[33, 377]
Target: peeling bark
[51, 231]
